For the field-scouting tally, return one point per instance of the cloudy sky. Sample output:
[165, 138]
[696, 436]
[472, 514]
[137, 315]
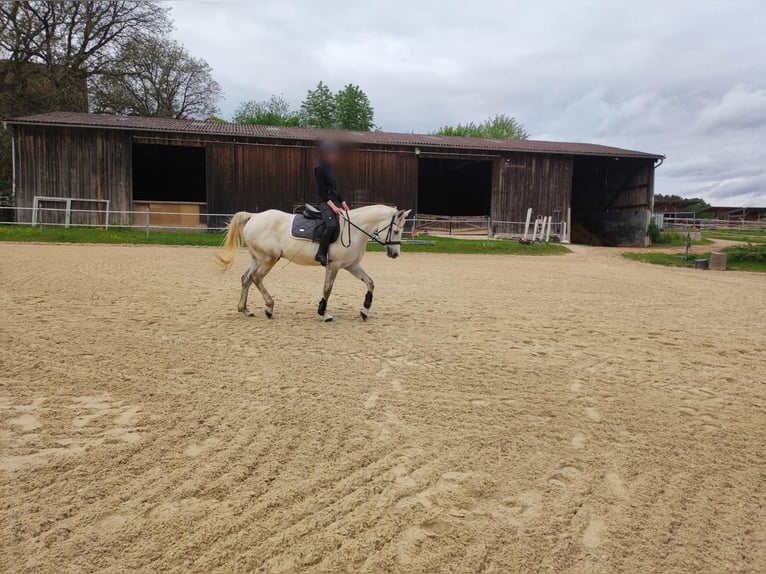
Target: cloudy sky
[686, 79]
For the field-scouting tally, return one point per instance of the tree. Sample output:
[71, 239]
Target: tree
[353, 110]
[318, 109]
[52, 50]
[502, 127]
[272, 112]
[70, 42]
[158, 78]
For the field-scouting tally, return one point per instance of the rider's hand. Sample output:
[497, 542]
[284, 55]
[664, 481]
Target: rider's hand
[336, 209]
[345, 205]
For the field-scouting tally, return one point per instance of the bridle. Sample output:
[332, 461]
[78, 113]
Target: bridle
[374, 236]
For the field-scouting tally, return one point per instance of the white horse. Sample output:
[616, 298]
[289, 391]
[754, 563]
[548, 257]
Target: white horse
[267, 237]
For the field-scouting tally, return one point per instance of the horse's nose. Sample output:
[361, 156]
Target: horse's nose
[394, 255]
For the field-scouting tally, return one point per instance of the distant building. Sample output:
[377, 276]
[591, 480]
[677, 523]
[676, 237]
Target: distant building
[735, 213]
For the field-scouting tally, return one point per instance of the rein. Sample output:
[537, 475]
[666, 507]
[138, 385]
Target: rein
[373, 236]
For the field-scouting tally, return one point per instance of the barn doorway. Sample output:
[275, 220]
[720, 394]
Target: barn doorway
[168, 173]
[454, 187]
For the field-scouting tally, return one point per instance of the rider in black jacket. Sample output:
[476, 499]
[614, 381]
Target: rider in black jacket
[331, 203]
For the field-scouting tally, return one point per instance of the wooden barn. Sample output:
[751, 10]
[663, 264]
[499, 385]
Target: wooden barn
[191, 168]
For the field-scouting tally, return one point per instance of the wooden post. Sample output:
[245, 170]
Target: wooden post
[526, 225]
[147, 223]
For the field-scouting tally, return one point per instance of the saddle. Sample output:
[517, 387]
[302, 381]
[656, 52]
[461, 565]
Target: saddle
[309, 225]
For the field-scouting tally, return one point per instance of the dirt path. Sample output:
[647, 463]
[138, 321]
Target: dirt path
[582, 413]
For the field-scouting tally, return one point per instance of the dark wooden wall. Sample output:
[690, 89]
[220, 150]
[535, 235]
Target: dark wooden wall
[72, 162]
[371, 176]
[256, 178]
[521, 181]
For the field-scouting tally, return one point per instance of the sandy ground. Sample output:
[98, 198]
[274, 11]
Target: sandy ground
[581, 413]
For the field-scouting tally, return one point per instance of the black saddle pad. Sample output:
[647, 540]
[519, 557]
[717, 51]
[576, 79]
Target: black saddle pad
[308, 228]
[304, 228]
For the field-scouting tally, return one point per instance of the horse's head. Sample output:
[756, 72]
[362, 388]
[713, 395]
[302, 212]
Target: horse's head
[393, 235]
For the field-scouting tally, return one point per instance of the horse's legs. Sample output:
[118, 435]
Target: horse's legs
[331, 272]
[264, 267]
[247, 280]
[357, 271]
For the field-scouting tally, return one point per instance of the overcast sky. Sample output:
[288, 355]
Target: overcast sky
[686, 79]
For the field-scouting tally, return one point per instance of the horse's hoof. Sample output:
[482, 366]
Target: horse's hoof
[328, 319]
[363, 315]
[269, 314]
[248, 313]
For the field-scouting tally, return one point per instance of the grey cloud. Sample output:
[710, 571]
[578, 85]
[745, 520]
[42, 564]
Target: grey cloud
[686, 79]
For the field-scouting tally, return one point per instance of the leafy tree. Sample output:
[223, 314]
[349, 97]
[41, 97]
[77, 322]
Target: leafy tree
[70, 42]
[501, 127]
[319, 108]
[353, 110]
[156, 77]
[690, 204]
[272, 112]
[51, 50]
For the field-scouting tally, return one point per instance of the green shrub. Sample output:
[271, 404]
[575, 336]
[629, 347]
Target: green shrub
[746, 254]
[653, 231]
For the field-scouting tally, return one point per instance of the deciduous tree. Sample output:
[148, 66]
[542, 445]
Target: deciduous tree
[158, 78]
[318, 109]
[353, 110]
[272, 112]
[501, 126]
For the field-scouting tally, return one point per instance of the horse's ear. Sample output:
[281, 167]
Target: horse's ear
[407, 213]
[402, 213]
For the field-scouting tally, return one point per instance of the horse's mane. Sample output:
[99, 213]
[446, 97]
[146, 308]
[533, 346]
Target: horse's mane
[365, 208]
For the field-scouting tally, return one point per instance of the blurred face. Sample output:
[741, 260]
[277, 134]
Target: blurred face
[332, 156]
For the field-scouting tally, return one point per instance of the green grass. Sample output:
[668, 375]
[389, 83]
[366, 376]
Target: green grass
[670, 259]
[743, 235]
[484, 246]
[135, 236]
[112, 235]
[738, 258]
[677, 239]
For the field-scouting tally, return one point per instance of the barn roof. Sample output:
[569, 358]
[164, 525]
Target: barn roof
[186, 126]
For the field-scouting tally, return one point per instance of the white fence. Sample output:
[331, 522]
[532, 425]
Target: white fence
[663, 222]
[63, 212]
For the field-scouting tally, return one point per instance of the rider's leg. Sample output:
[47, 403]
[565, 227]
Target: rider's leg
[330, 227]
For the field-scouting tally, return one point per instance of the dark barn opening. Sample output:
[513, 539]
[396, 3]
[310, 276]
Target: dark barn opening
[454, 186]
[611, 198]
[169, 173]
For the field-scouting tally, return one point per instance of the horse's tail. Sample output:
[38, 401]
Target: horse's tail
[233, 238]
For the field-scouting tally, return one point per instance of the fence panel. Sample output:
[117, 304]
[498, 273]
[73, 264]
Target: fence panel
[155, 218]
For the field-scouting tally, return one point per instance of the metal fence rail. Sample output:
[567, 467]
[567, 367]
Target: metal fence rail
[45, 214]
[704, 224]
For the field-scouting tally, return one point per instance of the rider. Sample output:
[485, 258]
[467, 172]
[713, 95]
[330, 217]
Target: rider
[331, 203]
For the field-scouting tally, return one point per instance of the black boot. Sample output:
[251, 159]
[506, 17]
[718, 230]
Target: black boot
[324, 244]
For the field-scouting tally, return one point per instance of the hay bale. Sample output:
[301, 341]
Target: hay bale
[718, 261]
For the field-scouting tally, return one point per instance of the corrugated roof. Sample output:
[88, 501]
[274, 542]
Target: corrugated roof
[312, 135]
